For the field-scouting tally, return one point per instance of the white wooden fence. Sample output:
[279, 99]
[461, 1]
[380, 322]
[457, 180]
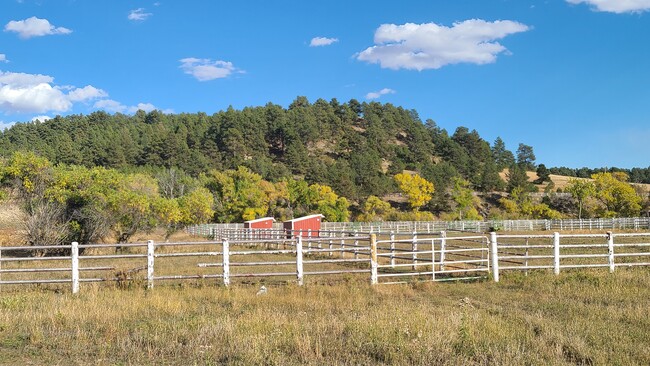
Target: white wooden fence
[568, 251]
[632, 223]
[381, 259]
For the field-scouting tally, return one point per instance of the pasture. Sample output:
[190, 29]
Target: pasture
[583, 315]
[586, 317]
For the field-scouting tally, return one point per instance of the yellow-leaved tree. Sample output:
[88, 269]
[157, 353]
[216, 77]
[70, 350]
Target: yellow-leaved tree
[616, 196]
[418, 190]
[238, 194]
[329, 204]
[374, 209]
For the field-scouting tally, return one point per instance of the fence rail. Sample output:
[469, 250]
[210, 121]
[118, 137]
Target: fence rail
[632, 223]
[269, 257]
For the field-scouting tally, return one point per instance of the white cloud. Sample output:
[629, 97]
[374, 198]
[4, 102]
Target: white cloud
[36, 93]
[41, 118]
[110, 105]
[113, 106]
[86, 93]
[22, 79]
[147, 107]
[139, 15]
[322, 41]
[206, 69]
[432, 46]
[3, 58]
[377, 94]
[6, 125]
[34, 27]
[616, 6]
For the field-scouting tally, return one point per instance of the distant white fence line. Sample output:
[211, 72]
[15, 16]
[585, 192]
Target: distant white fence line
[631, 223]
[382, 259]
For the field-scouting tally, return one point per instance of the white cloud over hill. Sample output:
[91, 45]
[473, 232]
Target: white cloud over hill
[432, 46]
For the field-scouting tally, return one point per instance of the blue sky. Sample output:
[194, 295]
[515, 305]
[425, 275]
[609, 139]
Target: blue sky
[568, 77]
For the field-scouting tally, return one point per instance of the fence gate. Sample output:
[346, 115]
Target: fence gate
[403, 258]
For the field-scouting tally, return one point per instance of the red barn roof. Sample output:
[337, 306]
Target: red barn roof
[260, 220]
[310, 217]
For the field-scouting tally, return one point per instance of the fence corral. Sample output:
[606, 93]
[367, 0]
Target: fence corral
[632, 223]
[273, 257]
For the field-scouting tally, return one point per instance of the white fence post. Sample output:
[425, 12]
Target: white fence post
[556, 253]
[433, 259]
[443, 248]
[299, 269]
[75, 267]
[392, 249]
[225, 245]
[356, 244]
[610, 251]
[494, 255]
[331, 244]
[414, 249]
[309, 239]
[373, 259]
[150, 257]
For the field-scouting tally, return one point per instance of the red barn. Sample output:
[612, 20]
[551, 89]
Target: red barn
[305, 226]
[259, 228]
[263, 223]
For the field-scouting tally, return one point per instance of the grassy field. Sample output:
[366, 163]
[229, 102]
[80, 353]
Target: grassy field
[582, 317]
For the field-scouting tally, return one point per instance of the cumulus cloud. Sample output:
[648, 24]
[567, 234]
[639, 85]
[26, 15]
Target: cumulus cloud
[36, 93]
[6, 125]
[3, 58]
[86, 93]
[41, 118]
[110, 105]
[322, 41]
[34, 27]
[206, 69]
[616, 6]
[377, 94]
[432, 46]
[138, 15]
[113, 106]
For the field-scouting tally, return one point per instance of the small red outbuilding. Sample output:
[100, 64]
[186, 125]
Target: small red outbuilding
[263, 223]
[306, 226]
[259, 228]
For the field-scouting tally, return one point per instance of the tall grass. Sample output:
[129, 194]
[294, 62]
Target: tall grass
[583, 317]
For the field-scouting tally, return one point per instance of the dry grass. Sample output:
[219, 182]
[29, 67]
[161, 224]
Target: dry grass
[585, 317]
[560, 181]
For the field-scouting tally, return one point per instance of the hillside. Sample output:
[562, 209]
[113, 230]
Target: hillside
[354, 147]
[560, 181]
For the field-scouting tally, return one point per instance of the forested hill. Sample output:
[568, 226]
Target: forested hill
[354, 147]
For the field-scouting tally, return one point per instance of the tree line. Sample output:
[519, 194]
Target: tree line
[355, 148]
